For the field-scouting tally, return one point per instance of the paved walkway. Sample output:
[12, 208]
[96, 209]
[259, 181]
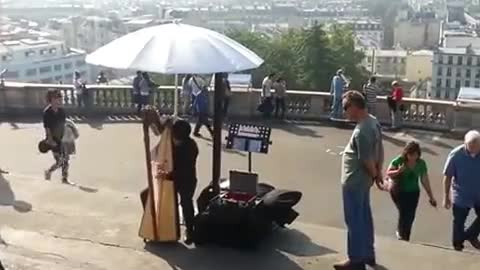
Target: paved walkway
[98, 223]
[57, 227]
[302, 157]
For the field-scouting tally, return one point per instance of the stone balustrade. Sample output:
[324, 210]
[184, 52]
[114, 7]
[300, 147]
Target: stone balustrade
[26, 99]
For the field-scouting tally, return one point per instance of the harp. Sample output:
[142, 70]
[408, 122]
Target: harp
[160, 220]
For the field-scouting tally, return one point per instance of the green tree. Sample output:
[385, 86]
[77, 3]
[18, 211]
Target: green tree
[305, 58]
[316, 59]
[342, 45]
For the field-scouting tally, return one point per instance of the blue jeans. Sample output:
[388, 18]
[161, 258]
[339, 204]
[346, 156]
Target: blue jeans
[461, 235]
[359, 221]
[337, 109]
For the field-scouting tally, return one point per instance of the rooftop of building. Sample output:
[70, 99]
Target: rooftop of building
[459, 51]
[388, 53]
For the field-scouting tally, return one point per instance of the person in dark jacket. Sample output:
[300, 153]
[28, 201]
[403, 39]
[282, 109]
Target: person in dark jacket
[201, 108]
[101, 79]
[184, 174]
[54, 118]
[136, 87]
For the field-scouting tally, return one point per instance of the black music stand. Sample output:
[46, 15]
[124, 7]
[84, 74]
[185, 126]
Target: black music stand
[249, 138]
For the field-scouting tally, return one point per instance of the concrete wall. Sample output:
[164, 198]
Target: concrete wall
[419, 67]
[417, 35]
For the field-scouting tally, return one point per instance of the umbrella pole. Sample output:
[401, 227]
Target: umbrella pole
[175, 97]
[217, 131]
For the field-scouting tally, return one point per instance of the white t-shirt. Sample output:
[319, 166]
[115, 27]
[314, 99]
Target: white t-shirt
[267, 87]
[196, 83]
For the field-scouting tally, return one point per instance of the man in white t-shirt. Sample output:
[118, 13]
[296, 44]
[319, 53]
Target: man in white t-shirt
[266, 106]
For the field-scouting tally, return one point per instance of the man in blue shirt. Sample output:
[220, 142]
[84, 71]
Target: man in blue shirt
[336, 90]
[463, 193]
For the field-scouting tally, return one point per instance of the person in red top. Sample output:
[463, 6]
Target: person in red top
[396, 106]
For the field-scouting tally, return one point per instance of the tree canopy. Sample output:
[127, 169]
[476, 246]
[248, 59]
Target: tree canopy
[305, 58]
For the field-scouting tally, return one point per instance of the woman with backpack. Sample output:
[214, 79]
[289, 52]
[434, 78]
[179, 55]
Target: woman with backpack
[405, 173]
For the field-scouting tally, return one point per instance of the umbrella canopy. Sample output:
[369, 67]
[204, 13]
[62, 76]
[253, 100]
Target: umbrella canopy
[175, 48]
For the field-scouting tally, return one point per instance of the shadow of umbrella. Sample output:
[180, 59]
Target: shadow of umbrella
[7, 197]
[297, 243]
[207, 258]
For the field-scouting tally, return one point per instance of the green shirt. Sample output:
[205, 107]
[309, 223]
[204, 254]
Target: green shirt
[410, 176]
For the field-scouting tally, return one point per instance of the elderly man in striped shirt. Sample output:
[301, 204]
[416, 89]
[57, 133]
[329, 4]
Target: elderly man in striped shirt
[371, 90]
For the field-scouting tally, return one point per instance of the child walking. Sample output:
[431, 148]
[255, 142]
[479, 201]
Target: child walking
[61, 134]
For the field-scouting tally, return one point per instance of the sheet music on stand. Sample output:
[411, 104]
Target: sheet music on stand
[249, 138]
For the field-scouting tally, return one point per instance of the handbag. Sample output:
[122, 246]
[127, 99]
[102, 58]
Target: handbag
[392, 185]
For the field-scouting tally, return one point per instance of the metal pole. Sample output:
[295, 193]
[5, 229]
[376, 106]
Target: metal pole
[175, 97]
[217, 131]
[249, 162]
[373, 62]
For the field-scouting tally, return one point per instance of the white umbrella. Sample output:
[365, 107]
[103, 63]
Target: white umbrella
[175, 48]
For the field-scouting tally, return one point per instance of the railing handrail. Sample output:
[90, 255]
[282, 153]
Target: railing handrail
[32, 86]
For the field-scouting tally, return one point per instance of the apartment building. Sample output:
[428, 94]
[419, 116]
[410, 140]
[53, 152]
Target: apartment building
[454, 68]
[388, 63]
[368, 33]
[41, 60]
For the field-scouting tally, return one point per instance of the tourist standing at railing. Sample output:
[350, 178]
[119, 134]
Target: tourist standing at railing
[362, 163]
[396, 106]
[101, 79]
[146, 89]
[228, 95]
[80, 89]
[370, 90]
[280, 87]
[266, 105]
[405, 172]
[462, 190]
[200, 105]
[196, 85]
[186, 95]
[136, 88]
[337, 88]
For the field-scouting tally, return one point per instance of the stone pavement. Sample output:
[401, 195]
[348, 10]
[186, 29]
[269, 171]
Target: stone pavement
[302, 157]
[50, 226]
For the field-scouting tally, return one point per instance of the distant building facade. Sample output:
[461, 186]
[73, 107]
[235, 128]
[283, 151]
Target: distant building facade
[41, 60]
[419, 65]
[387, 63]
[417, 34]
[454, 68]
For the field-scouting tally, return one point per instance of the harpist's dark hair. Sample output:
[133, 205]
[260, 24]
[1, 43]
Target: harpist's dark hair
[181, 130]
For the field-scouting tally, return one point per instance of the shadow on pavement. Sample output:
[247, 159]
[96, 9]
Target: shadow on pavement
[7, 197]
[296, 243]
[267, 256]
[224, 149]
[87, 189]
[429, 138]
[401, 143]
[380, 267]
[298, 130]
